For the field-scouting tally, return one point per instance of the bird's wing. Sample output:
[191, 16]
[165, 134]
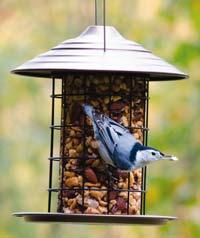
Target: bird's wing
[109, 131]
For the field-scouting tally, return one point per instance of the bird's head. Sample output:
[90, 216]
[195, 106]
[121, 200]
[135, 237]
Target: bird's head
[148, 155]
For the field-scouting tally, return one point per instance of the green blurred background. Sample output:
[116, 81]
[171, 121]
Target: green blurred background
[171, 29]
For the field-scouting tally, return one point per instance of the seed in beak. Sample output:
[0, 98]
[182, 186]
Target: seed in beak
[173, 158]
[170, 157]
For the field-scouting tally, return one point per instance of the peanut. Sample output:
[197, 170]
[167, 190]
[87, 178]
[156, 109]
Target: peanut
[91, 210]
[69, 174]
[88, 184]
[79, 148]
[94, 144]
[102, 210]
[97, 194]
[72, 153]
[72, 182]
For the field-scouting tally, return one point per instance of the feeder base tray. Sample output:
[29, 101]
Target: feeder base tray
[94, 219]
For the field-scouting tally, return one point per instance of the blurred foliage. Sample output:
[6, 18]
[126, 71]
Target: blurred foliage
[171, 29]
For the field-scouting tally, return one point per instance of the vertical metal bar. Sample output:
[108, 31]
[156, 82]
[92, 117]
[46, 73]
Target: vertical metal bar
[147, 110]
[95, 9]
[146, 141]
[51, 143]
[145, 134]
[84, 146]
[109, 188]
[104, 25]
[130, 126]
[64, 126]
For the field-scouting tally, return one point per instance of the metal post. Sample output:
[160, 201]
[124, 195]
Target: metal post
[51, 144]
[144, 170]
[63, 138]
[131, 78]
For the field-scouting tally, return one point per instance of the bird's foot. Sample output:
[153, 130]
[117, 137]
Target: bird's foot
[111, 176]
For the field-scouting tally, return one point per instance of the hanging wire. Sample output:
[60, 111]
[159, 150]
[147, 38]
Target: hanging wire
[96, 13]
[104, 25]
[104, 21]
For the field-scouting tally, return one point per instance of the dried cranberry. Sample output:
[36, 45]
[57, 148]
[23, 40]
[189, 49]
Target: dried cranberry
[119, 173]
[121, 203]
[117, 106]
[112, 195]
[90, 175]
[69, 193]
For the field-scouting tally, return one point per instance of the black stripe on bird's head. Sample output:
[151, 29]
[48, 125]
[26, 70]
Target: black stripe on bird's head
[145, 154]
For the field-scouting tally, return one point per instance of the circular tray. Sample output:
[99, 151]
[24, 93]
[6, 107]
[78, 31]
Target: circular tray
[94, 218]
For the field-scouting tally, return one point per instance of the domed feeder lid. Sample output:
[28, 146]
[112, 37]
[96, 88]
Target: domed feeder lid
[86, 53]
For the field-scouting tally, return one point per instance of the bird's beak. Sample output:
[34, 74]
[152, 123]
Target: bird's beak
[170, 157]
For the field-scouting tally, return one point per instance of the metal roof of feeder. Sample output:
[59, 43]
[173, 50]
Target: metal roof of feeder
[87, 53]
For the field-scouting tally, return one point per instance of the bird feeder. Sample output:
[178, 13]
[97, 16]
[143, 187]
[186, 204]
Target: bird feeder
[111, 73]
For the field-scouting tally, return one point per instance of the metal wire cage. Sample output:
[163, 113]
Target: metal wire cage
[86, 186]
[115, 82]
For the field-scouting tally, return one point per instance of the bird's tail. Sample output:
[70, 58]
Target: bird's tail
[88, 110]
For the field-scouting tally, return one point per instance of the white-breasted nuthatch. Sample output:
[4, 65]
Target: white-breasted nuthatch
[118, 147]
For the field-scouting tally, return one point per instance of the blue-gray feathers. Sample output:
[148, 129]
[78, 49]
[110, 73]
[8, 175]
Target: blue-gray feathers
[117, 145]
[88, 110]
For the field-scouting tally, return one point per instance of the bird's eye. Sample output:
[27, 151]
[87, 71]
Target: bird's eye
[153, 153]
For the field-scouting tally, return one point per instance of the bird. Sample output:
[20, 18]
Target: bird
[118, 147]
